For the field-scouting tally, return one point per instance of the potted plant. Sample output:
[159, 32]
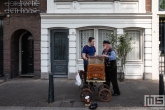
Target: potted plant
[122, 45]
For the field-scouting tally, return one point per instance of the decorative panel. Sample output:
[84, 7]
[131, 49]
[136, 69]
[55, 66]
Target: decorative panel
[133, 69]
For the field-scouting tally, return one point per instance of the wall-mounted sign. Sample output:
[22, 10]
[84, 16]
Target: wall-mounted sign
[22, 6]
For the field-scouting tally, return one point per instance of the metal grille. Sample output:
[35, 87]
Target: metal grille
[59, 48]
[161, 45]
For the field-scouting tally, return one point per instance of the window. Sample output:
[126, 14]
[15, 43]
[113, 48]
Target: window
[98, 33]
[83, 40]
[135, 53]
[162, 5]
[103, 35]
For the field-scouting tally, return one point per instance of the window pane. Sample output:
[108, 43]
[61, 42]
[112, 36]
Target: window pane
[103, 35]
[161, 5]
[135, 52]
[84, 35]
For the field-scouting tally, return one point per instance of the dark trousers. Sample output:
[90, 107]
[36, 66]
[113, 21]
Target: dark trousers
[111, 76]
[85, 69]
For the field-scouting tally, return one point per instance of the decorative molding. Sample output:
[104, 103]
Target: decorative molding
[96, 16]
[132, 69]
[96, 0]
[84, 0]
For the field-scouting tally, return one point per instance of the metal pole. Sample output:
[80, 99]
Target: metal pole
[51, 89]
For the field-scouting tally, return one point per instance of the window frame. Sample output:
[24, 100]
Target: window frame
[96, 30]
[141, 43]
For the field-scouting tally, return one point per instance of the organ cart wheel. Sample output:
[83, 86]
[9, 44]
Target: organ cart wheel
[86, 92]
[87, 86]
[105, 95]
[102, 86]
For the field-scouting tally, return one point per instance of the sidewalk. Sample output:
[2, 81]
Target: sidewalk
[68, 108]
[28, 92]
[1, 80]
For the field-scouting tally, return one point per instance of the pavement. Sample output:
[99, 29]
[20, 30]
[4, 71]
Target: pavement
[29, 93]
[1, 80]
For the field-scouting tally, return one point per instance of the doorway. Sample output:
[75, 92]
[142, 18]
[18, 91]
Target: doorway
[59, 52]
[27, 56]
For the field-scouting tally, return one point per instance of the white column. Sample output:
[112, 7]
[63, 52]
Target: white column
[45, 54]
[116, 6]
[142, 4]
[155, 41]
[50, 6]
[120, 31]
[72, 54]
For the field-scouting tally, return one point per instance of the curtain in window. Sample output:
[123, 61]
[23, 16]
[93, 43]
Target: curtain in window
[161, 5]
[103, 35]
[135, 52]
[84, 36]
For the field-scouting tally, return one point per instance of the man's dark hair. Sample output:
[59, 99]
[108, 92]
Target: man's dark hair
[90, 39]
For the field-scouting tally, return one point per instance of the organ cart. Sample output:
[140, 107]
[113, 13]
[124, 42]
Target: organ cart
[96, 74]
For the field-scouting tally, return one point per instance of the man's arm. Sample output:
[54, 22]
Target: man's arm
[95, 54]
[84, 56]
[112, 56]
[84, 51]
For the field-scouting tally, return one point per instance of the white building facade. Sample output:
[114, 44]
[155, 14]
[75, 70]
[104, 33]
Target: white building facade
[158, 34]
[67, 25]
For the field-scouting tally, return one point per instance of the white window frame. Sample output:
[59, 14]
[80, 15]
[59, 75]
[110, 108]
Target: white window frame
[141, 43]
[96, 30]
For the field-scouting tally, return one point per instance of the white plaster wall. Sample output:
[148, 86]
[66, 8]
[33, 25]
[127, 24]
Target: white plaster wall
[61, 14]
[72, 54]
[95, 7]
[76, 64]
[155, 39]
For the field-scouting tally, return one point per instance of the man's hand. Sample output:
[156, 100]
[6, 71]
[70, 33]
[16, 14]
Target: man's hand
[105, 56]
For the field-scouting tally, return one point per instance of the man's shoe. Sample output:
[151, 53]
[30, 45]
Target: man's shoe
[93, 105]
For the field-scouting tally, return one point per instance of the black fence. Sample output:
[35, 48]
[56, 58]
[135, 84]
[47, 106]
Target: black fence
[161, 45]
[162, 55]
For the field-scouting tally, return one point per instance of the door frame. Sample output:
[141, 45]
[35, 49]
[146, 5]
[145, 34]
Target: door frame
[51, 45]
[1, 46]
[20, 55]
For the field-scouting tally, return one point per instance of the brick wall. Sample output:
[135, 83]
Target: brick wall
[14, 26]
[148, 6]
